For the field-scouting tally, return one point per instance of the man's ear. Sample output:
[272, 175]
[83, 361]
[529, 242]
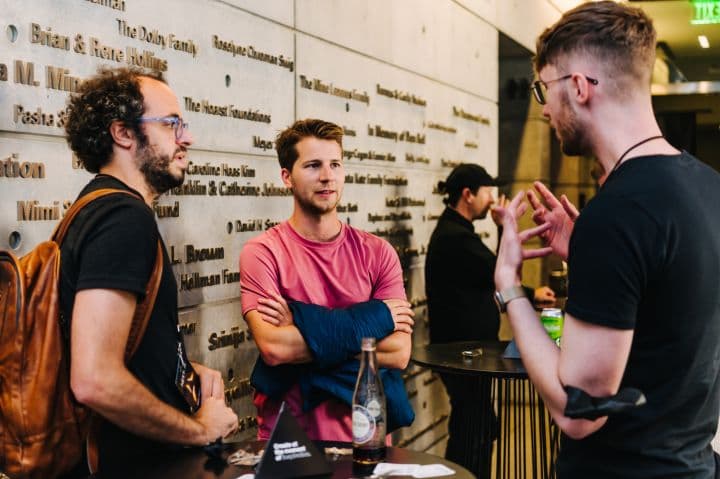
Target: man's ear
[286, 179]
[123, 136]
[582, 88]
[467, 195]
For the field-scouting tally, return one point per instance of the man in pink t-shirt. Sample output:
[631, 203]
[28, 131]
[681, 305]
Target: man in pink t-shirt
[315, 258]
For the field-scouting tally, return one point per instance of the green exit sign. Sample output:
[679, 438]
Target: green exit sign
[706, 12]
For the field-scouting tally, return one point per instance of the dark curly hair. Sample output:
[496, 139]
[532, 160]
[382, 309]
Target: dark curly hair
[620, 37]
[310, 127]
[111, 95]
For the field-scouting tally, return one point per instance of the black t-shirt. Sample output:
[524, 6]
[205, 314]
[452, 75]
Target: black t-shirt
[459, 282]
[112, 244]
[645, 255]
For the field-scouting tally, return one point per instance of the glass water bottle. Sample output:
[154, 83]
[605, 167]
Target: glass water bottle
[369, 414]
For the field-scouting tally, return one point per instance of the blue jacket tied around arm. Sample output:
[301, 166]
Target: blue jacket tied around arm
[333, 337]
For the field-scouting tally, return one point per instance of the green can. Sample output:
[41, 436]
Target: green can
[552, 320]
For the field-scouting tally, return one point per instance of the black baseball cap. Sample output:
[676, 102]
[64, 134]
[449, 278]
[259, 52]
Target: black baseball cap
[468, 175]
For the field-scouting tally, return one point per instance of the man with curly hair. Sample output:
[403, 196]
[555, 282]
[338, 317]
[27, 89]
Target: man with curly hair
[125, 126]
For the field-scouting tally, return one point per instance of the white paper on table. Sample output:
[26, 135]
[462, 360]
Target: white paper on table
[414, 470]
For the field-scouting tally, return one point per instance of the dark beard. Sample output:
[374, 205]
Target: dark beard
[155, 169]
[572, 141]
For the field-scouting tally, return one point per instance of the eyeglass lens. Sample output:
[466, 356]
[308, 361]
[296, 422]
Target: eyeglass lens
[179, 126]
[538, 92]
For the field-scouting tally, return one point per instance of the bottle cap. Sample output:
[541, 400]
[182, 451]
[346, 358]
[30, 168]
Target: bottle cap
[368, 344]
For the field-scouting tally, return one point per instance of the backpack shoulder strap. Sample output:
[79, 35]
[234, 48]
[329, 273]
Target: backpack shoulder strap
[144, 310]
[61, 229]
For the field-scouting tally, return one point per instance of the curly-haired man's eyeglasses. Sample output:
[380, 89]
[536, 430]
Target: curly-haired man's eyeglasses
[539, 87]
[177, 123]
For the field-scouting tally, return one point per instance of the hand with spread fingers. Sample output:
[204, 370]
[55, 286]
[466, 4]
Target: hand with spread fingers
[402, 314]
[275, 310]
[560, 215]
[511, 254]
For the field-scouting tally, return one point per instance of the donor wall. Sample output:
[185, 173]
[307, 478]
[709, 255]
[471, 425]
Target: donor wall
[413, 84]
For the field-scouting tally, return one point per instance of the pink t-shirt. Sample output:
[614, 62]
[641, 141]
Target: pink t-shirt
[353, 268]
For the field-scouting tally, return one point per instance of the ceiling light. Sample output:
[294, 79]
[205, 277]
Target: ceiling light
[703, 41]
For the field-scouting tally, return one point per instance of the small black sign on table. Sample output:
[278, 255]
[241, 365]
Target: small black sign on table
[290, 453]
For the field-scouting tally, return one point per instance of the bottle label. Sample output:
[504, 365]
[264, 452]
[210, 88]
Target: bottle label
[373, 408]
[363, 425]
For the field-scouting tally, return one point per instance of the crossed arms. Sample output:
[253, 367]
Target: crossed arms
[280, 341]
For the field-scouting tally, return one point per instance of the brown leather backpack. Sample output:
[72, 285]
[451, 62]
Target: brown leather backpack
[42, 427]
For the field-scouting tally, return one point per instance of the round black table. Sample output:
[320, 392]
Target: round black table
[526, 439]
[195, 464]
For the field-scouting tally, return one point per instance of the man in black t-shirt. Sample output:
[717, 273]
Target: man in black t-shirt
[125, 126]
[643, 261]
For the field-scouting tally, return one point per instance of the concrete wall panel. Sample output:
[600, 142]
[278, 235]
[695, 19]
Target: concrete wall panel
[441, 40]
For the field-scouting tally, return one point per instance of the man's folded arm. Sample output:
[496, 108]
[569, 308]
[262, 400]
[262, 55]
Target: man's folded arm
[334, 335]
[393, 351]
[329, 336]
[277, 344]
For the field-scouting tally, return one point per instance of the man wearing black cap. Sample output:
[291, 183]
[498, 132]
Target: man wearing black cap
[459, 286]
